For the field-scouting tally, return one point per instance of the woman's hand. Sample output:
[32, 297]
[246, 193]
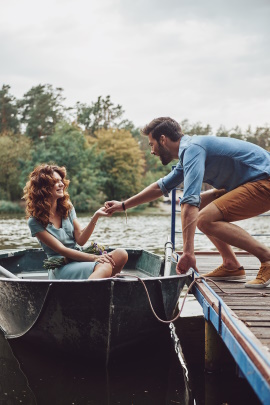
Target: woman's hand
[107, 258]
[101, 212]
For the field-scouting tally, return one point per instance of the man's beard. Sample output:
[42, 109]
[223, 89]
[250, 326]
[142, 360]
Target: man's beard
[165, 155]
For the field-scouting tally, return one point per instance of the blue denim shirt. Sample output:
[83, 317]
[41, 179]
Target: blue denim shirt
[221, 162]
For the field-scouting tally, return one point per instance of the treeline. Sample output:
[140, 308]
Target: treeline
[104, 153]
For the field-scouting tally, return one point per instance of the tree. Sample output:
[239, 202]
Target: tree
[261, 137]
[41, 108]
[68, 147]
[195, 129]
[236, 133]
[14, 150]
[101, 114]
[123, 162]
[9, 122]
[222, 131]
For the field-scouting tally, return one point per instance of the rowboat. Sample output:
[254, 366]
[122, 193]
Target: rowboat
[92, 318]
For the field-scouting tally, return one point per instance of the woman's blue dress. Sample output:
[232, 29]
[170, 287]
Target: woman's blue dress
[65, 234]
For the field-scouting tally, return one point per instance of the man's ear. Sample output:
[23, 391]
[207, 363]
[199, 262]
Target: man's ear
[162, 139]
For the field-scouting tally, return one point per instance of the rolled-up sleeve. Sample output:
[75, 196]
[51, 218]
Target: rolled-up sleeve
[194, 168]
[172, 180]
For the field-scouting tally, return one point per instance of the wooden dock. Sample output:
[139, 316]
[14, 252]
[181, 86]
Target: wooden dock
[241, 317]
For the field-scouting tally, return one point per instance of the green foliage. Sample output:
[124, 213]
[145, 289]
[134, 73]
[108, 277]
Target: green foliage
[41, 108]
[195, 129]
[9, 122]
[10, 207]
[222, 131]
[106, 158]
[123, 162]
[68, 147]
[101, 114]
[13, 151]
[261, 137]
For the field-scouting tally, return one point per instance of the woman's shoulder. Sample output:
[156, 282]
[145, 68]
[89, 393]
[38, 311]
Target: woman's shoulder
[33, 221]
[72, 213]
[35, 226]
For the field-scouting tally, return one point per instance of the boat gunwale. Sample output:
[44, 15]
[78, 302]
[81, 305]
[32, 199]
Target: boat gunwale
[122, 278]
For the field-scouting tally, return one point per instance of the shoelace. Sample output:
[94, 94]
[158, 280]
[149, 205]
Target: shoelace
[217, 269]
[260, 275]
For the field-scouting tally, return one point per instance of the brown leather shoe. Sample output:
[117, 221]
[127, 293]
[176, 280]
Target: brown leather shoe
[263, 277]
[222, 273]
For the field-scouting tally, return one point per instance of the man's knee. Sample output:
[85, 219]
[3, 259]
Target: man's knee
[202, 222]
[208, 216]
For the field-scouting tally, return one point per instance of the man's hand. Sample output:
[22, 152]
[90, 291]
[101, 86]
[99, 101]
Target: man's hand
[113, 206]
[186, 261]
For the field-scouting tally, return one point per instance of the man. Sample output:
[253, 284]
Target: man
[240, 174]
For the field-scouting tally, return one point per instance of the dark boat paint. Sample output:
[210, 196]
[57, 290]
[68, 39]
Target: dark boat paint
[97, 318]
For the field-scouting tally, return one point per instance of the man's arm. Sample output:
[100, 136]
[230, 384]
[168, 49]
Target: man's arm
[189, 217]
[150, 193]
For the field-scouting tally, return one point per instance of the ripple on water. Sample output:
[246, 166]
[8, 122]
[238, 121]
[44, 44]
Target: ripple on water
[147, 231]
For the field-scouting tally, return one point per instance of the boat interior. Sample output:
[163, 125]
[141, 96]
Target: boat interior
[28, 264]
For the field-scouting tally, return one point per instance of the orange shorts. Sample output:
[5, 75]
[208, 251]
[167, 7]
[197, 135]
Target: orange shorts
[245, 201]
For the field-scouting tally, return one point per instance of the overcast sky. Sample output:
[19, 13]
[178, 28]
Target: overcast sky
[204, 60]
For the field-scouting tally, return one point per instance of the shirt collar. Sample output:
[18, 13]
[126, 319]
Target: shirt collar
[184, 142]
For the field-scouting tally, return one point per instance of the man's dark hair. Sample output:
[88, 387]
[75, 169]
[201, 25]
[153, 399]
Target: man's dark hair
[163, 126]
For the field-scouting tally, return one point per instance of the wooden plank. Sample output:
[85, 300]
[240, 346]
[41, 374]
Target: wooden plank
[266, 342]
[259, 323]
[258, 361]
[249, 307]
[260, 332]
[246, 301]
[260, 314]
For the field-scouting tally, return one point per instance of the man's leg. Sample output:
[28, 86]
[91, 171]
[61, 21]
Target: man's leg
[244, 202]
[229, 258]
[211, 223]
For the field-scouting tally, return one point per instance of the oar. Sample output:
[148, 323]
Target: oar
[5, 273]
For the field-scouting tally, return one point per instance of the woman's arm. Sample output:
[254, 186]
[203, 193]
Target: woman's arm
[82, 236]
[58, 247]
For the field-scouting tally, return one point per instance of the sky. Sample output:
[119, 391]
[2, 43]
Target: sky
[206, 61]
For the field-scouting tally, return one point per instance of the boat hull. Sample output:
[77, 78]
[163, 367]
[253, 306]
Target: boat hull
[97, 318]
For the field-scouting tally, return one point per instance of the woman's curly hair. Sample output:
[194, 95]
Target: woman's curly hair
[38, 192]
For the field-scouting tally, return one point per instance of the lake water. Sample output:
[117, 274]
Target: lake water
[142, 230]
[28, 377]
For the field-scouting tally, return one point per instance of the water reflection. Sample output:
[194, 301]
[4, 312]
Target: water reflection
[29, 376]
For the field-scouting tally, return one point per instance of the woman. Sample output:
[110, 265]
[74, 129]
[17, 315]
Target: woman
[52, 219]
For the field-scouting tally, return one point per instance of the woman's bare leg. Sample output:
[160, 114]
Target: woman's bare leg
[120, 258]
[102, 270]
[105, 270]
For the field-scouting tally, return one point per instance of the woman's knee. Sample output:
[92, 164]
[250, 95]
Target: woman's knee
[102, 270]
[120, 256]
